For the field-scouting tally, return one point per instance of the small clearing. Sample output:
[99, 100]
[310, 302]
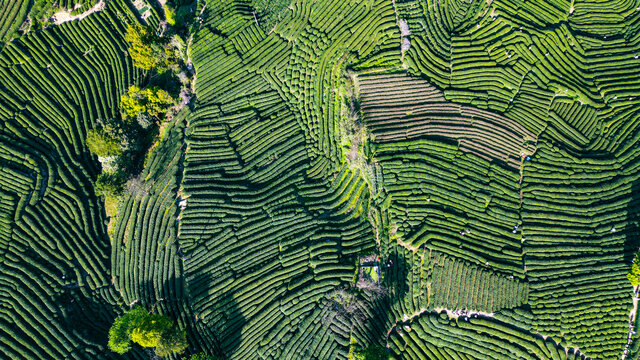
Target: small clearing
[65, 15]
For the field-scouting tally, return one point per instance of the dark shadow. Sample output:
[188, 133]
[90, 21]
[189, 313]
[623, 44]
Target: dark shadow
[632, 233]
[221, 329]
[89, 316]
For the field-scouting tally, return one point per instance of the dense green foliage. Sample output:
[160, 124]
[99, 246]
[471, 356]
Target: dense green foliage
[103, 143]
[371, 353]
[147, 330]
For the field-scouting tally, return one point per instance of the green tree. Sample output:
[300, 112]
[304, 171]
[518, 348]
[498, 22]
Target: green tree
[103, 143]
[172, 340]
[148, 333]
[110, 184]
[148, 50]
[123, 326]
[147, 330]
[634, 272]
[170, 15]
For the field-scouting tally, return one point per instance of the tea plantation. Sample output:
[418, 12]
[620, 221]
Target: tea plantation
[319, 180]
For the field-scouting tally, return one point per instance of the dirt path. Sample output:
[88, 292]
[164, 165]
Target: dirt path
[452, 313]
[64, 16]
[632, 322]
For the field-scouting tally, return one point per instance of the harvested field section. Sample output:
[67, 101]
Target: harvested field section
[400, 108]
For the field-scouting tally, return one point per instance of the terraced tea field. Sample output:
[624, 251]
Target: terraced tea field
[378, 179]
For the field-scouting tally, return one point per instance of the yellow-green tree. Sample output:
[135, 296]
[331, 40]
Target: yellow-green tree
[140, 49]
[148, 50]
[152, 101]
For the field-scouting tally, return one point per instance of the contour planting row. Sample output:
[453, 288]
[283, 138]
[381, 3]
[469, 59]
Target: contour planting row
[579, 240]
[12, 16]
[456, 203]
[400, 108]
[438, 336]
[146, 259]
[456, 284]
[264, 245]
[55, 293]
[571, 85]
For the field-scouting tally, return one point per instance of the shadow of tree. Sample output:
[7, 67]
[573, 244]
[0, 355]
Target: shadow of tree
[632, 233]
[90, 315]
[221, 328]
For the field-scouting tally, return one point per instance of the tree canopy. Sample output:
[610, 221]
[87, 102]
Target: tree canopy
[103, 143]
[152, 101]
[140, 50]
[148, 50]
[147, 330]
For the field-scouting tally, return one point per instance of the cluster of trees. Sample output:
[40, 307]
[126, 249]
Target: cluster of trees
[146, 106]
[119, 142]
[147, 330]
[180, 14]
